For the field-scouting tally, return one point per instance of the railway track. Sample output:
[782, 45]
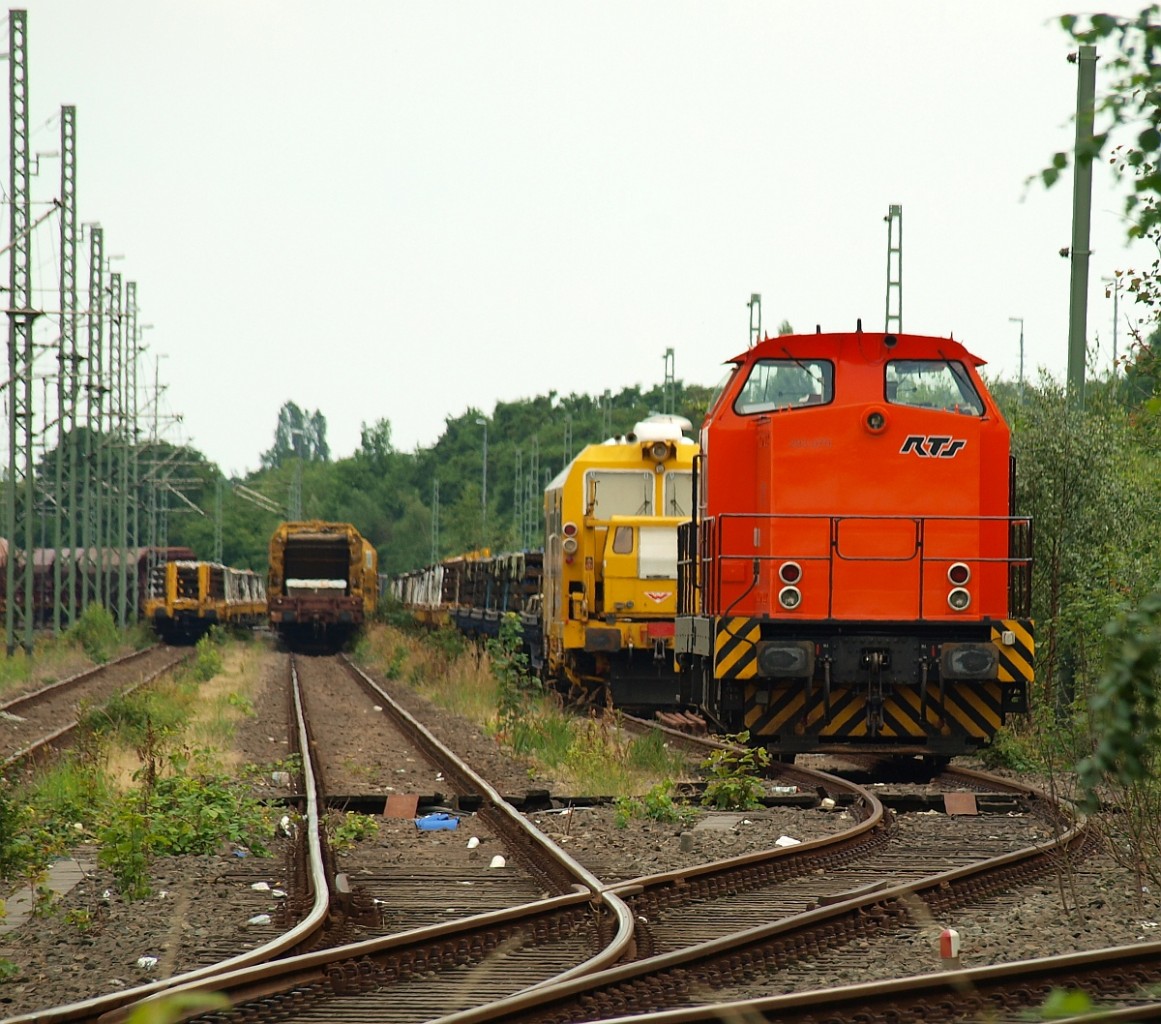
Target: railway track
[46, 718]
[642, 944]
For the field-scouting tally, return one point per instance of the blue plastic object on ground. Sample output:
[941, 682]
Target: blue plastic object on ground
[437, 822]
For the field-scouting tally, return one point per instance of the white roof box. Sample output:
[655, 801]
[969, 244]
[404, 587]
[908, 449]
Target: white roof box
[662, 427]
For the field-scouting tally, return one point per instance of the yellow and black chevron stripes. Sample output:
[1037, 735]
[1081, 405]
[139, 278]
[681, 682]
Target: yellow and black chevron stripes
[1017, 660]
[735, 648]
[972, 709]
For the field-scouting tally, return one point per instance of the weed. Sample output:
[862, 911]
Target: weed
[190, 808]
[207, 661]
[517, 686]
[126, 847]
[345, 830]
[1007, 750]
[43, 900]
[656, 805]
[243, 704]
[80, 918]
[651, 753]
[27, 845]
[8, 970]
[95, 633]
[733, 784]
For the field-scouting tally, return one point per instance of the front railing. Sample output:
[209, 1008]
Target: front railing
[723, 559]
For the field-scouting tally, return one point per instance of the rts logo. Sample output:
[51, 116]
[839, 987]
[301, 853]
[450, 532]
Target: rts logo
[930, 446]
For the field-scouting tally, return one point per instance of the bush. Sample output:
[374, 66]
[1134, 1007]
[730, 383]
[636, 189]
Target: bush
[208, 657]
[733, 786]
[96, 633]
[510, 669]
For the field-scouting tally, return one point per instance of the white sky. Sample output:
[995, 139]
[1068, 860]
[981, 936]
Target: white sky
[403, 209]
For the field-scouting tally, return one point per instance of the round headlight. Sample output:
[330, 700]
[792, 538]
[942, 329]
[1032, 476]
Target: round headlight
[790, 598]
[959, 599]
[569, 545]
[659, 450]
[790, 572]
[959, 574]
[569, 529]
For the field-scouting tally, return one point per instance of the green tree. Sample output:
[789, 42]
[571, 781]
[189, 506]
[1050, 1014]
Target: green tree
[298, 434]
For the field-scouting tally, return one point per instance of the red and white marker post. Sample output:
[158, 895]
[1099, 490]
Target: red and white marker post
[949, 947]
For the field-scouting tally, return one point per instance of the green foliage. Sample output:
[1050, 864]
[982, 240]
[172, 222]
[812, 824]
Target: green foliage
[144, 719]
[80, 918]
[1007, 750]
[1126, 707]
[733, 784]
[1063, 1004]
[517, 686]
[192, 809]
[126, 848]
[178, 1006]
[26, 845]
[8, 970]
[651, 753]
[242, 703]
[299, 435]
[95, 633]
[656, 805]
[548, 735]
[1091, 490]
[207, 661]
[347, 829]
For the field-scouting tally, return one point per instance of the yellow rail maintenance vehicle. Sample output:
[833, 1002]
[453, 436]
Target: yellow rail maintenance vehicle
[610, 567]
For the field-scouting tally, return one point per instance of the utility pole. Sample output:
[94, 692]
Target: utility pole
[1113, 287]
[535, 506]
[668, 397]
[1081, 218]
[893, 321]
[135, 453]
[518, 496]
[484, 490]
[118, 499]
[68, 381]
[91, 479]
[218, 486]
[18, 608]
[434, 521]
[128, 474]
[155, 557]
[755, 306]
[607, 414]
[1020, 320]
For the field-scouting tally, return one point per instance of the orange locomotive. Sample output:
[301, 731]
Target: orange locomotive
[854, 577]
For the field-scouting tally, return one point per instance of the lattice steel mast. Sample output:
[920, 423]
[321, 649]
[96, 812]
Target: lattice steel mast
[68, 379]
[115, 441]
[893, 322]
[18, 608]
[94, 443]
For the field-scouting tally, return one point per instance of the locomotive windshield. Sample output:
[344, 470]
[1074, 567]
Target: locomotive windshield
[785, 384]
[620, 493]
[932, 384]
[678, 493]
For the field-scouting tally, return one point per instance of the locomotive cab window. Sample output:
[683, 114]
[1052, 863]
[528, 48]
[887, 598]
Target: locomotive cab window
[678, 493]
[932, 384]
[620, 493]
[777, 385]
